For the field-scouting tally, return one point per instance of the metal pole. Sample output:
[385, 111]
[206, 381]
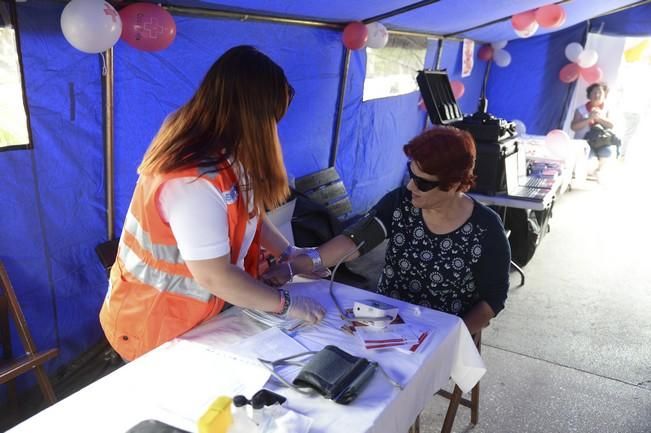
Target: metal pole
[439, 54]
[399, 11]
[340, 108]
[109, 141]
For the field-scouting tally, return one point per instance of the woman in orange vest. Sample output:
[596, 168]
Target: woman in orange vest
[193, 231]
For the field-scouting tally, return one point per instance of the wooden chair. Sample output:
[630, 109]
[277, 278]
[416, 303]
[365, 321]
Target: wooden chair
[11, 367]
[456, 399]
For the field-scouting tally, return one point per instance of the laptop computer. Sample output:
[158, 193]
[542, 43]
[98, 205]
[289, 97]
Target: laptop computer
[513, 187]
[531, 181]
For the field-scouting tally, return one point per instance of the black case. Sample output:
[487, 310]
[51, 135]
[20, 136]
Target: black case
[495, 138]
[489, 166]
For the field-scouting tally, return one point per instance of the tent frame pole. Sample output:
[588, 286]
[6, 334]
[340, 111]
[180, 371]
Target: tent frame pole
[109, 140]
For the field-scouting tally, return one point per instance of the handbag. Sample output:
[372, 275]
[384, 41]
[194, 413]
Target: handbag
[333, 373]
[599, 137]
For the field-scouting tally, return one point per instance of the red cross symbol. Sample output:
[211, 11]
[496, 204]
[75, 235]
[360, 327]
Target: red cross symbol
[108, 10]
[152, 29]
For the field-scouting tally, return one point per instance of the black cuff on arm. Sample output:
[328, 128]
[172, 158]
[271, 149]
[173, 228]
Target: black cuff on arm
[368, 231]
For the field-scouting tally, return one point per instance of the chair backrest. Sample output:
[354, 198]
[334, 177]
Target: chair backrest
[326, 187]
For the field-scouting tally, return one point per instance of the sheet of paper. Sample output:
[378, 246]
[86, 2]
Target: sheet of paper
[270, 344]
[191, 376]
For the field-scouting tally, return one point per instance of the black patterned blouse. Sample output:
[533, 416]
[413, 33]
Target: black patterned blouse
[449, 272]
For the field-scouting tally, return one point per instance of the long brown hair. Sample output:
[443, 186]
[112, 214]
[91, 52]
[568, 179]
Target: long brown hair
[234, 113]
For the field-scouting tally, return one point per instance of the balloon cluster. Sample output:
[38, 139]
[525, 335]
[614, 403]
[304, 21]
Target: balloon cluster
[526, 23]
[94, 26]
[584, 65]
[495, 52]
[358, 35]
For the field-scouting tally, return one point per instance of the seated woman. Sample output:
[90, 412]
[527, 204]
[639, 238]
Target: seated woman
[591, 114]
[445, 251]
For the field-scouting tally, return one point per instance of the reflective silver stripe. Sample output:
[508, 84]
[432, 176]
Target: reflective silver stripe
[168, 253]
[161, 280]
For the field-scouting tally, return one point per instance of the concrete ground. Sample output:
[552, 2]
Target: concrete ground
[572, 350]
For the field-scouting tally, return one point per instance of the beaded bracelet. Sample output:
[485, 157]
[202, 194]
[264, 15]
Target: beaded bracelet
[285, 302]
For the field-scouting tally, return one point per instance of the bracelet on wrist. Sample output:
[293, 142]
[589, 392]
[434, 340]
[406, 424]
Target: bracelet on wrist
[285, 302]
[291, 271]
[287, 253]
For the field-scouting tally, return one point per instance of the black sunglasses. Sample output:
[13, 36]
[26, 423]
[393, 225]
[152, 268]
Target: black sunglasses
[423, 185]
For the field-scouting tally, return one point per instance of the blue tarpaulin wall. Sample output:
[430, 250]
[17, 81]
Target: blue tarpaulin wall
[53, 196]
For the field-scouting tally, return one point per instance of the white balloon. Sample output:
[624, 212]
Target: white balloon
[529, 31]
[520, 127]
[588, 58]
[91, 26]
[502, 58]
[378, 36]
[498, 45]
[572, 51]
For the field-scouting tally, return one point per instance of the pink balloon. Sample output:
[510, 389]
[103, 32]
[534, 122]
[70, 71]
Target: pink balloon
[523, 20]
[485, 52]
[458, 89]
[592, 74]
[550, 16]
[557, 137]
[569, 73]
[147, 26]
[355, 35]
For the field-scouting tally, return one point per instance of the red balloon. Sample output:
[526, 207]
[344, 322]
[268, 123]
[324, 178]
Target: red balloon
[458, 88]
[147, 26]
[569, 73]
[593, 74]
[550, 16]
[523, 20]
[485, 52]
[355, 35]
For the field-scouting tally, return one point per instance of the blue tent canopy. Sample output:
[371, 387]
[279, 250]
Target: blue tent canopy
[54, 210]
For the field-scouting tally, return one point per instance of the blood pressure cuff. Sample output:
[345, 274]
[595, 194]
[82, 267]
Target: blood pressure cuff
[335, 374]
[368, 229]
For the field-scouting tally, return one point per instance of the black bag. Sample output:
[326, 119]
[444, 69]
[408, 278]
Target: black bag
[599, 137]
[335, 374]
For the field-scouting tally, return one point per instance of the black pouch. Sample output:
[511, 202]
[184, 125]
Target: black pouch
[335, 374]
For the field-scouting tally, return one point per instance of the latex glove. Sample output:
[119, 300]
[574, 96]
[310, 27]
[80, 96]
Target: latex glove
[305, 309]
[278, 274]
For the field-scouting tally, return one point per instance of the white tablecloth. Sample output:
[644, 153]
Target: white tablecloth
[174, 382]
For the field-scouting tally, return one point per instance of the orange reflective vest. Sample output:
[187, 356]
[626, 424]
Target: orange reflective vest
[152, 297]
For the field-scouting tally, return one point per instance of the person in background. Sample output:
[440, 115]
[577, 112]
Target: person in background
[446, 251]
[196, 222]
[593, 113]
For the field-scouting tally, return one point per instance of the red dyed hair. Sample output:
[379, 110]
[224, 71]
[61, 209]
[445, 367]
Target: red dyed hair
[446, 152]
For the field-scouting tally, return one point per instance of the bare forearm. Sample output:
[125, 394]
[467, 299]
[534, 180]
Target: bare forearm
[478, 317]
[606, 123]
[233, 285]
[271, 238]
[580, 124]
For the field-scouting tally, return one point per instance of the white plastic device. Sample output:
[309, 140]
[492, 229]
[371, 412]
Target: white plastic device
[374, 313]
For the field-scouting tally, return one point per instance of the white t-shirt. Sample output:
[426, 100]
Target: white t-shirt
[196, 212]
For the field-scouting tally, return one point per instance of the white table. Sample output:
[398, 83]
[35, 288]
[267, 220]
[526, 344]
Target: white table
[514, 202]
[178, 377]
